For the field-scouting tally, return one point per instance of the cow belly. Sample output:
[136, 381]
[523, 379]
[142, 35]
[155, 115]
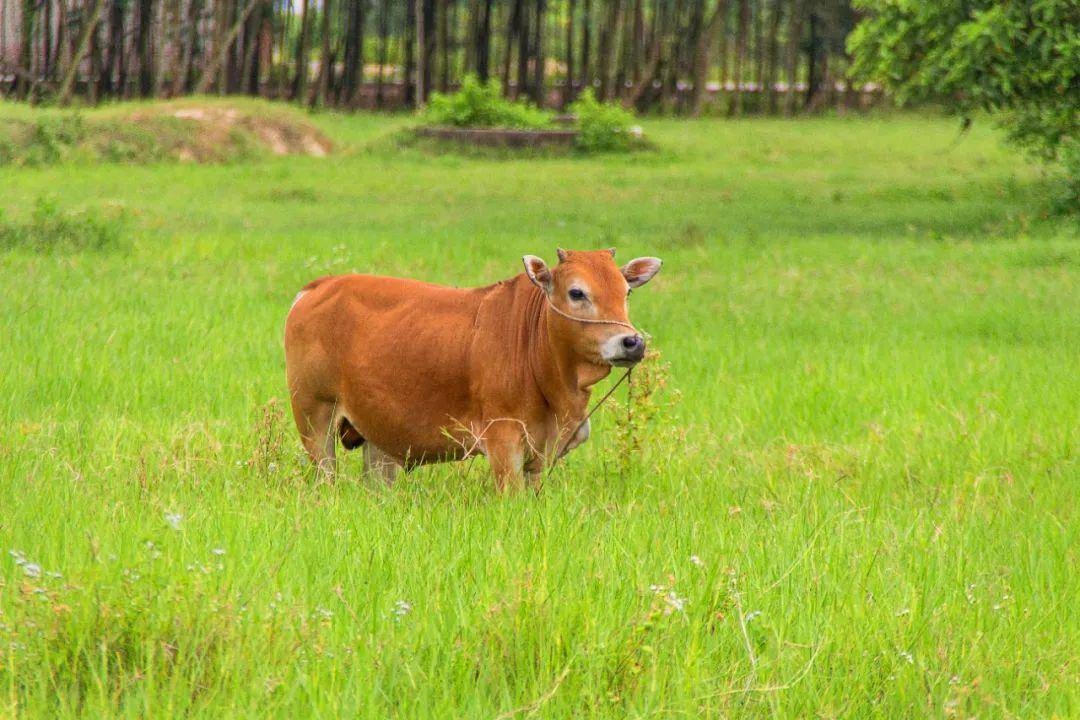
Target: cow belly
[414, 412]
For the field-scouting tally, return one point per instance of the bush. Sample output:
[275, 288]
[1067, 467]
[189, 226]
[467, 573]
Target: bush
[602, 127]
[479, 104]
[50, 229]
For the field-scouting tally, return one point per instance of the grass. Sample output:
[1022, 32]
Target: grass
[871, 459]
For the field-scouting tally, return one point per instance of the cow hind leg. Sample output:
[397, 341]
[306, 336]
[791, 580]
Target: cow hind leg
[315, 422]
[378, 463]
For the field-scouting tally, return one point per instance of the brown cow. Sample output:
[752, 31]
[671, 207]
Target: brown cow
[420, 373]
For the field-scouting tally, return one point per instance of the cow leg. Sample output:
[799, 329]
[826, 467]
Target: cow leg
[379, 463]
[506, 456]
[315, 422]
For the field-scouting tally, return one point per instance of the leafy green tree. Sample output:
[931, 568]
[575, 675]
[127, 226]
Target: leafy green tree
[1017, 59]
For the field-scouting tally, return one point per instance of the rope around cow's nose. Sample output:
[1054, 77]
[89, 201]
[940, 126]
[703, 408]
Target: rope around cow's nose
[594, 321]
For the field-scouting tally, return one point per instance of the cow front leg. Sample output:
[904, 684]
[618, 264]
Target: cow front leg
[506, 456]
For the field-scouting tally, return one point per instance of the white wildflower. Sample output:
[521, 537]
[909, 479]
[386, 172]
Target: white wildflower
[674, 602]
[401, 609]
[908, 657]
[32, 569]
[750, 616]
[173, 519]
[695, 560]
[218, 551]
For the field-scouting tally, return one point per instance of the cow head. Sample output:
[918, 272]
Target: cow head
[589, 285]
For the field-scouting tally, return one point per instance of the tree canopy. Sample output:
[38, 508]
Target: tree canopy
[1017, 60]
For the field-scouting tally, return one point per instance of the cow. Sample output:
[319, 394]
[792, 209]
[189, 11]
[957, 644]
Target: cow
[418, 373]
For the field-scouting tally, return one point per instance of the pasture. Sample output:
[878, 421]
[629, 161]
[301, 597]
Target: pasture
[856, 496]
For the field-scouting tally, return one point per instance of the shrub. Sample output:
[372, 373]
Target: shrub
[602, 127]
[645, 427]
[50, 229]
[479, 104]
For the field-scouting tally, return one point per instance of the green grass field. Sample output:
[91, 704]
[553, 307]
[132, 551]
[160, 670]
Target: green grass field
[860, 502]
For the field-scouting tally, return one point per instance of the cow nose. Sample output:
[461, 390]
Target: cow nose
[634, 345]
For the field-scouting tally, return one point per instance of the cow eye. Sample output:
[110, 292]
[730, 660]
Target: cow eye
[576, 294]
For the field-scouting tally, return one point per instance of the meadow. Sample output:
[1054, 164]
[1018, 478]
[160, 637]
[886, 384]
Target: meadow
[855, 496]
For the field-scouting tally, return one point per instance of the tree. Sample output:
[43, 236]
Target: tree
[146, 47]
[354, 51]
[89, 25]
[300, 82]
[1019, 61]
[704, 43]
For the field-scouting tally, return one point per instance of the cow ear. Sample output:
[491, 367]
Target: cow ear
[561, 253]
[612, 251]
[538, 272]
[641, 270]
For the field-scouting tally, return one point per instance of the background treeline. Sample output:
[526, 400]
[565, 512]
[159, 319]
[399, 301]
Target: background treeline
[732, 56]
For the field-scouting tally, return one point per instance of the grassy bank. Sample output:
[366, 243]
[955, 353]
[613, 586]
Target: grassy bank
[861, 501]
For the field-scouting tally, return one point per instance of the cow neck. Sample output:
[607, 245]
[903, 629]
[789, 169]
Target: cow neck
[563, 377]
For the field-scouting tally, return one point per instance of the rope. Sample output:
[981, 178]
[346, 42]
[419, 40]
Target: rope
[558, 455]
[589, 320]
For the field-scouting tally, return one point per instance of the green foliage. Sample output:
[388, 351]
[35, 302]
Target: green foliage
[1019, 60]
[50, 229]
[479, 104]
[603, 127]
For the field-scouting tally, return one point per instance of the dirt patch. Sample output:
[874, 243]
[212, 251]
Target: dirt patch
[166, 131]
[221, 132]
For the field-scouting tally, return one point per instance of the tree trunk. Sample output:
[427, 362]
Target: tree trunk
[421, 54]
[659, 49]
[326, 57]
[82, 46]
[522, 84]
[384, 35]
[93, 86]
[586, 45]
[300, 82]
[193, 49]
[538, 55]
[354, 52]
[145, 30]
[442, 31]
[772, 56]
[638, 42]
[483, 43]
[609, 41]
[410, 51]
[740, 55]
[24, 86]
[568, 89]
[704, 43]
[221, 53]
[46, 39]
[795, 27]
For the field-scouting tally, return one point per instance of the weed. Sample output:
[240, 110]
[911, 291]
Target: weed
[50, 229]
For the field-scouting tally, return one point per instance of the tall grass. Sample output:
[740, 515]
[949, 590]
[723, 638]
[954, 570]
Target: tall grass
[859, 503]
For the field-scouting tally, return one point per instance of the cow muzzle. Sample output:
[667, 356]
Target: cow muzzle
[625, 350]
